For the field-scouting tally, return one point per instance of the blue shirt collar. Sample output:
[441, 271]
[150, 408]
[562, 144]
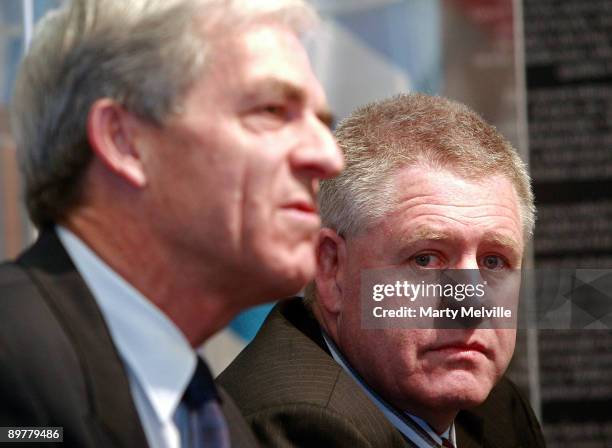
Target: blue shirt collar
[413, 428]
[154, 350]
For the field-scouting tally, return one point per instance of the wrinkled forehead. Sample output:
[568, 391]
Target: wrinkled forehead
[222, 18]
[433, 183]
[415, 188]
[266, 58]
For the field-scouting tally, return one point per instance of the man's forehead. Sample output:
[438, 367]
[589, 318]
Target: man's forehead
[259, 44]
[269, 58]
[422, 183]
[428, 201]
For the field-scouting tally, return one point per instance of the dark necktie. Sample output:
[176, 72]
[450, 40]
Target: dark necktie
[207, 426]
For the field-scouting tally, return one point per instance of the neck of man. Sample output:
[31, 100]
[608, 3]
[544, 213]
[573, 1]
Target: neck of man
[439, 419]
[188, 292]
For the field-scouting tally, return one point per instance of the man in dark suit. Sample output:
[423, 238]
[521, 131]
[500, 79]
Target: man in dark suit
[428, 187]
[171, 151]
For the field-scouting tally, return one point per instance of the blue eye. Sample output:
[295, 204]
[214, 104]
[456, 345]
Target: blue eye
[429, 261]
[422, 260]
[493, 262]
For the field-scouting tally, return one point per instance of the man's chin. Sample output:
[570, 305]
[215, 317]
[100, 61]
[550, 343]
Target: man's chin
[285, 282]
[456, 393]
[294, 263]
[463, 398]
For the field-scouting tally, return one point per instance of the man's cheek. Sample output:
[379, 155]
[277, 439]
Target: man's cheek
[508, 341]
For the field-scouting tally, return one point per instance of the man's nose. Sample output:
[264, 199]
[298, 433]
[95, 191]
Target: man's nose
[318, 155]
[467, 261]
[465, 281]
[467, 271]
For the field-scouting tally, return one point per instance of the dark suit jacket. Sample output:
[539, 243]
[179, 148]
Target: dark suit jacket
[58, 364]
[294, 394]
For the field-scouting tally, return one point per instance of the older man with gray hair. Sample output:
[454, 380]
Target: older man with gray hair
[428, 186]
[171, 152]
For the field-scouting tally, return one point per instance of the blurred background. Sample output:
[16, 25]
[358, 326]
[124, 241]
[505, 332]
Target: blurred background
[539, 70]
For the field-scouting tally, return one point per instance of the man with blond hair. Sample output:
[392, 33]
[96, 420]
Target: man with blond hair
[171, 152]
[428, 187]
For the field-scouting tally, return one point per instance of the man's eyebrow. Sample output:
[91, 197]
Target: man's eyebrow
[426, 233]
[278, 88]
[290, 92]
[504, 241]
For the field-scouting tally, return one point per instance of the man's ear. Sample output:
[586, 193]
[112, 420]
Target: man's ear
[112, 135]
[331, 264]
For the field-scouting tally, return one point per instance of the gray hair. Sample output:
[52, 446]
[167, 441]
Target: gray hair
[382, 137]
[144, 54]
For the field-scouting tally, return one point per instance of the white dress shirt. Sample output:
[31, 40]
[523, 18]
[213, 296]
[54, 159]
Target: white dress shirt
[421, 434]
[158, 358]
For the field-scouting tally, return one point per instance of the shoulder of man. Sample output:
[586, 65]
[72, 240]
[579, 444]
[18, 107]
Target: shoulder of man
[293, 393]
[39, 372]
[507, 419]
[45, 378]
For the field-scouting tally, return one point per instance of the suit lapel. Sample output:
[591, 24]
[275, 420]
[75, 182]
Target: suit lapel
[470, 431]
[106, 380]
[302, 320]
[240, 433]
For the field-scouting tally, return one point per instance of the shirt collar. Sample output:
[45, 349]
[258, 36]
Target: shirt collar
[413, 428]
[153, 348]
